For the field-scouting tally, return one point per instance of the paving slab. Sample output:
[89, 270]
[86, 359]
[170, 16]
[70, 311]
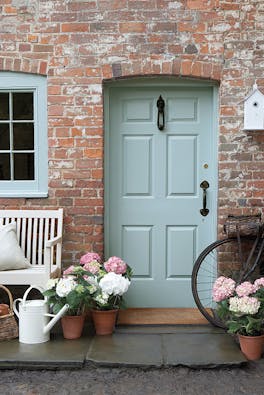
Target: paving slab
[201, 350]
[58, 353]
[126, 350]
[164, 346]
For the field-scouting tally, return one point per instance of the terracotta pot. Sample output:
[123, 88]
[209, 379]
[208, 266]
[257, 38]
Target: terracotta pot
[72, 326]
[251, 346]
[104, 321]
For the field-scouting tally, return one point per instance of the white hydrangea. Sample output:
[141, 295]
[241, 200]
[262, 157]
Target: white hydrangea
[102, 298]
[51, 283]
[244, 305]
[114, 284]
[65, 286]
[91, 280]
[92, 289]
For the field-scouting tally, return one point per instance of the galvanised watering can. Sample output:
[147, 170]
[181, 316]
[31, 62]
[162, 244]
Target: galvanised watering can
[34, 324]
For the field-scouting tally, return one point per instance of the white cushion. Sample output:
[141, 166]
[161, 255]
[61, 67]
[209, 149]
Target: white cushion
[11, 254]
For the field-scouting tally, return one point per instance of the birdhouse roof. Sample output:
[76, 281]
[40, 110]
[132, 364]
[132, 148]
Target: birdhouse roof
[255, 91]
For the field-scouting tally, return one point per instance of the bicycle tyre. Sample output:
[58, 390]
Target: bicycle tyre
[220, 258]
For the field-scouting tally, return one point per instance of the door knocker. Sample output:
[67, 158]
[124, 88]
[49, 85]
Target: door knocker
[161, 115]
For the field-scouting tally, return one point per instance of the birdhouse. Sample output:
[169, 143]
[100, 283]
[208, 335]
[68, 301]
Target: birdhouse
[254, 110]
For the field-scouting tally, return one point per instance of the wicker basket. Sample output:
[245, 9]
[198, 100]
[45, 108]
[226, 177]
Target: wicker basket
[8, 324]
[244, 225]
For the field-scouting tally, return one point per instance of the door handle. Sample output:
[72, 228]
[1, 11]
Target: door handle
[161, 115]
[204, 185]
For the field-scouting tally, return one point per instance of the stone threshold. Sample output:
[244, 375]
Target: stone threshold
[138, 346]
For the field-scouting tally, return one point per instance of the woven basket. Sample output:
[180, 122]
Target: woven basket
[244, 225]
[8, 324]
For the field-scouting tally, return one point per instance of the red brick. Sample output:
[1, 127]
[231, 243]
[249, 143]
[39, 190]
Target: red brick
[228, 111]
[75, 27]
[186, 67]
[132, 27]
[82, 6]
[191, 27]
[54, 90]
[206, 69]
[43, 48]
[43, 68]
[167, 68]
[196, 69]
[230, 5]
[10, 10]
[17, 65]
[24, 47]
[33, 38]
[200, 4]
[93, 153]
[55, 110]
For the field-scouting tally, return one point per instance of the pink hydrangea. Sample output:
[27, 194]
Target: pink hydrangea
[68, 271]
[245, 289]
[259, 283]
[92, 267]
[223, 288]
[89, 257]
[116, 265]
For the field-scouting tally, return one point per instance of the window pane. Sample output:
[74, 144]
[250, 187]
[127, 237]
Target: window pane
[4, 105]
[23, 135]
[5, 167]
[4, 137]
[22, 106]
[24, 166]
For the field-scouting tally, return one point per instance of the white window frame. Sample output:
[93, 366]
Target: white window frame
[22, 82]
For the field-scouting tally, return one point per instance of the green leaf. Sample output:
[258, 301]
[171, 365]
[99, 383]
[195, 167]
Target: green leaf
[49, 292]
[57, 307]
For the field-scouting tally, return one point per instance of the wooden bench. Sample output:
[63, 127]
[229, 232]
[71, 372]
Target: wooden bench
[39, 234]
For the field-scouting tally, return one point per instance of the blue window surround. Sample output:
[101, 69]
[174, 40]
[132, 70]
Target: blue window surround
[11, 81]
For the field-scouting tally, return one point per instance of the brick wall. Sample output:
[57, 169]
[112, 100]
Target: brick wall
[78, 44]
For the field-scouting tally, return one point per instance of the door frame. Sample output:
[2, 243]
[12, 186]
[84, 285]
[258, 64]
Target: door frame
[157, 81]
[143, 316]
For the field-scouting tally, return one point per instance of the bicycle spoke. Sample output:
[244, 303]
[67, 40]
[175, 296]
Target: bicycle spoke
[221, 258]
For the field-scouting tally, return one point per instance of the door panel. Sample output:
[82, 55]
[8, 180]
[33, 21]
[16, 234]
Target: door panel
[153, 194]
[137, 174]
[137, 247]
[177, 159]
[179, 240]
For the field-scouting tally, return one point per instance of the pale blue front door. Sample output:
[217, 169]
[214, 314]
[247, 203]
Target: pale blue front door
[153, 196]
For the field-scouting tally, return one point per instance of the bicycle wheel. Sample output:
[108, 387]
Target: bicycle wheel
[221, 258]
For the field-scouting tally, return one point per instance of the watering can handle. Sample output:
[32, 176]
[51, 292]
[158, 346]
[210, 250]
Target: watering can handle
[14, 306]
[40, 289]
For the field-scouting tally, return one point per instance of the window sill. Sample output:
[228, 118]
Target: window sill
[32, 195]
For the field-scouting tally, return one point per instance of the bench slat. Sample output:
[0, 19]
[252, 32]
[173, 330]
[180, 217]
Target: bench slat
[34, 243]
[29, 238]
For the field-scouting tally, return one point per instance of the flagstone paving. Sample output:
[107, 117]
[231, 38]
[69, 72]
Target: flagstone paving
[134, 346]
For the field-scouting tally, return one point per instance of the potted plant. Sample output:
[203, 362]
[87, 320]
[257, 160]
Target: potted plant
[241, 306]
[74, 290]
[109, 281]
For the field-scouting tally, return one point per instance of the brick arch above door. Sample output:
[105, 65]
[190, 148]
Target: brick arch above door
[180, 67]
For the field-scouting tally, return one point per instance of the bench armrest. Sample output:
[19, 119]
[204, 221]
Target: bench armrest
[50, 243]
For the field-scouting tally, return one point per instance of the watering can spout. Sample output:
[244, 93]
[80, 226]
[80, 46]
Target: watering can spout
[55, 318]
